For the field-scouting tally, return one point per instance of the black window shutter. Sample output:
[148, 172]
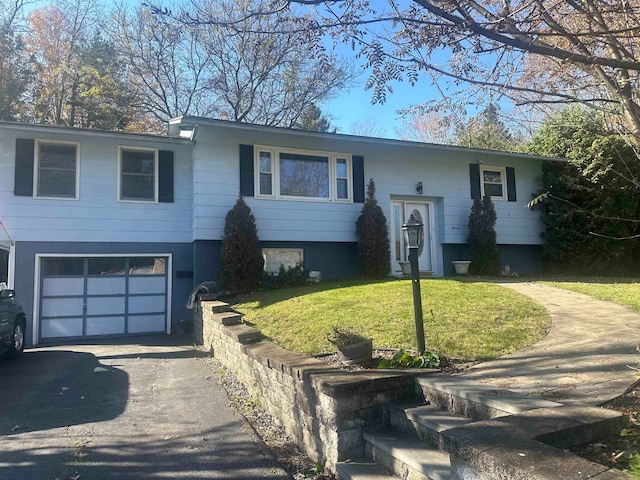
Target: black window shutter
[511, 184]
[165, 176]
[23, 183]
[357, 163]
[474, 179]
[246, 170]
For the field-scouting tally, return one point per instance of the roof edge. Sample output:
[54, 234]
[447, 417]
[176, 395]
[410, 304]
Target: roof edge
[196, 121]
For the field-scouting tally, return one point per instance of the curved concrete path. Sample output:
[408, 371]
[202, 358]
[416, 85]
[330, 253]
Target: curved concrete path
[584, 358]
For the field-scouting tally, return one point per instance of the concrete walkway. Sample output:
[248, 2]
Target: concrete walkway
[584, 357]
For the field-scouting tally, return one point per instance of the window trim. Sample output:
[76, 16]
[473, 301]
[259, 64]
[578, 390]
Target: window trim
[36, 169]
[503, 179]
[156, 174]
[275, 174]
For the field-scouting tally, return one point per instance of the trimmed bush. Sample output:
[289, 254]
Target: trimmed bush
[373, 238]
[482, 238]
[241, 261]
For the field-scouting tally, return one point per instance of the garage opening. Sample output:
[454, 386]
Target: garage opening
[97, 296]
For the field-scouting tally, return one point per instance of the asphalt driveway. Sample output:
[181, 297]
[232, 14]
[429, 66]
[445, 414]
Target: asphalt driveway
[148, 409]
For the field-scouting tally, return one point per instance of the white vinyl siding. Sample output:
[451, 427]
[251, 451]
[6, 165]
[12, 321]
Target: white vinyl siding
[56, 170]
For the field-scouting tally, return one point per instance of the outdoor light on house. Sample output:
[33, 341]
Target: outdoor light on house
[414, 236]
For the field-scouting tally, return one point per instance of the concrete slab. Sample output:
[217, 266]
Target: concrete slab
[584, 358]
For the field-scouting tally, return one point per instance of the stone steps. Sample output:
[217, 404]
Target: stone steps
[406, 456]
[425, 422]
[362, 469]
[475, 400]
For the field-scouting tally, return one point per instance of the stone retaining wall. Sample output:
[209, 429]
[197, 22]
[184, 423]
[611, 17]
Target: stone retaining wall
[322, 408]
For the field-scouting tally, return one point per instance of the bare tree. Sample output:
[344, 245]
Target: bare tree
[367, 127]
[55, 39]
[536, 52]
[247, 74]
[167, 65]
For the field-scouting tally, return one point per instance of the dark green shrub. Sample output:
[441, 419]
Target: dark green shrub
[482, 238]
[292, 276]
[373, 238]
[241, 261]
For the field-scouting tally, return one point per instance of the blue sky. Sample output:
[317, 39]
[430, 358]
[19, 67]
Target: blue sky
[355, 105]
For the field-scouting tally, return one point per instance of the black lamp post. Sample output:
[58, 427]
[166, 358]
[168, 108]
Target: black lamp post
[413, 236]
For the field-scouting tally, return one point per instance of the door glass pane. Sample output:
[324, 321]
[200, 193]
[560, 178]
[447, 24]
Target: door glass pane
[418, 216]
[147, 266]
[397, 228]
[62, 266]
[106, 266]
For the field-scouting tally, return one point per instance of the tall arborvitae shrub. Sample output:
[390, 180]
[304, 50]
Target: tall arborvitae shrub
[373, 237]
[241, 261]
[482, 238]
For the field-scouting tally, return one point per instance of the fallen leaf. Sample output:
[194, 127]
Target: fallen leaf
[19, 427]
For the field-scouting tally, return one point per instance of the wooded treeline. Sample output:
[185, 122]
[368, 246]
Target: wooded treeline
[84, 63]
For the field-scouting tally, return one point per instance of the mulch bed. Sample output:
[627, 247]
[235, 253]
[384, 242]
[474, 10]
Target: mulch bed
[615, 451]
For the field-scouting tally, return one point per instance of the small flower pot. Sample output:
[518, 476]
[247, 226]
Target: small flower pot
[461, 266]
[356, 353]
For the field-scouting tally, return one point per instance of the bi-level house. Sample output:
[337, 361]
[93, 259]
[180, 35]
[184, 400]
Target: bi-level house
[107, 233]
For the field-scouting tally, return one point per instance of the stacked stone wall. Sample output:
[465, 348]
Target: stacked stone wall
[324, 409]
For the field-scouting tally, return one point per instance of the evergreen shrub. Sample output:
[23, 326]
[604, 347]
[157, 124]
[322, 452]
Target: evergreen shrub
[241, 262]
[373, 238]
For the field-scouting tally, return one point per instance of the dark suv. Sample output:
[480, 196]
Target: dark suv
[12, 324]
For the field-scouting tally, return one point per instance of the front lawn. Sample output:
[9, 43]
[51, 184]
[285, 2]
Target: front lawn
[463, 320]
[625, 291]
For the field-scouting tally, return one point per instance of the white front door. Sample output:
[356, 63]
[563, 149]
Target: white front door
[400, 213]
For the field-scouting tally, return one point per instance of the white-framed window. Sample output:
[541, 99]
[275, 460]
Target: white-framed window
[493, 182]
[57, 170]
[137, 174]
[302, 175]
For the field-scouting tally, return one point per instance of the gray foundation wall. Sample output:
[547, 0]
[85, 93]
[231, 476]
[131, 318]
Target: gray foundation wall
[522, 259]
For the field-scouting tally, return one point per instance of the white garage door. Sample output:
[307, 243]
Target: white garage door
[94, 296]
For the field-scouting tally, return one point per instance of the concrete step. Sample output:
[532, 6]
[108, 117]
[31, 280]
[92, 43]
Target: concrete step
[228, 318]
[406, 456]
[362, 469]
[219, 307]
[475, 400]
[425, 422]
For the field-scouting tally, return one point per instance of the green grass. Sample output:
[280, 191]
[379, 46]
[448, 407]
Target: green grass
[625, 291]
[470, 320]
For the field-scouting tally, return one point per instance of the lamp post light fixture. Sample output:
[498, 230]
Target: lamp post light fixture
[413, 237]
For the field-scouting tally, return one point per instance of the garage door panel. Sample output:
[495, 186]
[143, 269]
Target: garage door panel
[61, 327]
[84, 296]
[147, 285]
[147, 304]
[106, 286]
[146, 323]
[62, 307]
[105, 305]
[62, 286]
[105, 325]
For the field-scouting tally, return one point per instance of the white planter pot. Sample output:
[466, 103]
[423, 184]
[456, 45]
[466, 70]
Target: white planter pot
[461, 266]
